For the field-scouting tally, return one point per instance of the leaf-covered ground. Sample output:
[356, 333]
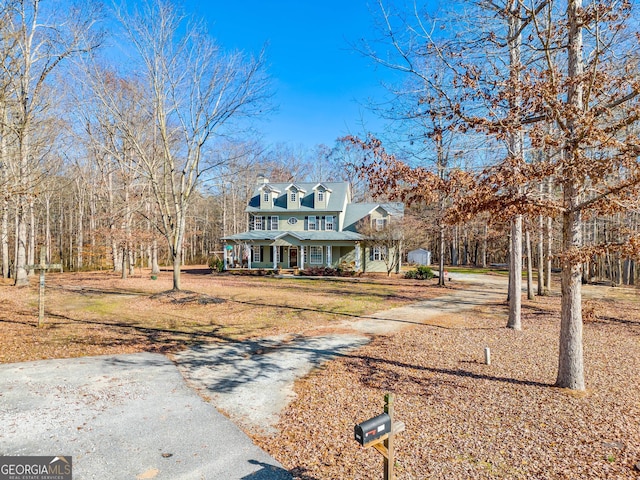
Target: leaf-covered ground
[465, 419]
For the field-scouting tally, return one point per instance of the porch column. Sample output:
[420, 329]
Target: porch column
[301, 257]
[274, 253]
[358, 255]
[224, 257]
[329, 255]
[247, 251]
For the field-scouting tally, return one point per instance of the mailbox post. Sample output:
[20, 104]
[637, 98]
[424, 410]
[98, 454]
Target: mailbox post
[378, 432]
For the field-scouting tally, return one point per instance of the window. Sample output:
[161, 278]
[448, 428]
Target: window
[257, 223]
[315, 254]
[328, 223]
[312, 223]
[293, 197]
[381, 223]
[275, 220]
[256, 251]
[265, 197]
[378, 253]
[320, 196]
[292, 220]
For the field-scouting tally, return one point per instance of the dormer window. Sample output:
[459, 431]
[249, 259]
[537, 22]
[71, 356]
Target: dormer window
[265, 197]
[321, 195]
[381, 223]
[293, 197]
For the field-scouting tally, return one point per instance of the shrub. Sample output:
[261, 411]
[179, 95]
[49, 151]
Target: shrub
[216, 264]
[342, 270]
[421, 272]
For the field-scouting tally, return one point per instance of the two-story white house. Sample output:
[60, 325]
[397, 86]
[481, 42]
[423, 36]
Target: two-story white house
[301, 225]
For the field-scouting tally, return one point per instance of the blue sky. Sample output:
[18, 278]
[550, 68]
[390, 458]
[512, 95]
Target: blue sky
[322, 85]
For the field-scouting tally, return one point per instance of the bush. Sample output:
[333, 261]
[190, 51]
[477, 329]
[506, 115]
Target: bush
[216, 264]
[420, 273]
[342, 270]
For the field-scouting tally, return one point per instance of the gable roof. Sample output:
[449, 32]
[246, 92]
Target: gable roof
[268, 188]
[357, 211]
[323, 186]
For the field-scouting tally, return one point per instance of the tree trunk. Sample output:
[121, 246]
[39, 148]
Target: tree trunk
[177, 246]
[484, 246]
[155, 269]
[540, 256]
[21, 244]
[441, 279]
[454, 247]
[4, 233]
[31, 249]
[47, 226]
[515, 140]
[93, 208]
[570, 359]
[529, 267]
[570, 362]
[515, 284]
[176, 268]
[80, 229]
[124, 269]
[549, 255]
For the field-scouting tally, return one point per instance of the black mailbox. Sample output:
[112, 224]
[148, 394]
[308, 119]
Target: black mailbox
[372, 429]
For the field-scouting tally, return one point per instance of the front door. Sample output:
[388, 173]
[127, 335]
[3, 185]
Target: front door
[293, 257]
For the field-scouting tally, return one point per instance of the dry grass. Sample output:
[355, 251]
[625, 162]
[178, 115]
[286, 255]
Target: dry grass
[468, 420]
[99, 313]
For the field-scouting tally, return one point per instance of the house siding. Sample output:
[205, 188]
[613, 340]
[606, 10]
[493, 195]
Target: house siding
[288, 237]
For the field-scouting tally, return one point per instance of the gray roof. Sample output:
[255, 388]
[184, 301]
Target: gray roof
[357, 211]
[337, 196]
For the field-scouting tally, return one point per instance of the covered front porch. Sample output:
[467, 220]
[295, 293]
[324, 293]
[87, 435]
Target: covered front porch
[290, 252]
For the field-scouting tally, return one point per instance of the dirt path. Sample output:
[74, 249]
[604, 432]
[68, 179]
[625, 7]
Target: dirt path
[253, 381]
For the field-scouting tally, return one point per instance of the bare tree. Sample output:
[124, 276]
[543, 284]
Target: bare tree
[43, 40]
[194, 92]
